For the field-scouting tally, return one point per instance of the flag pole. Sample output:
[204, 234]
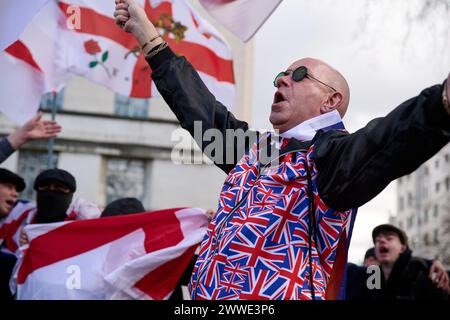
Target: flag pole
[51, 141]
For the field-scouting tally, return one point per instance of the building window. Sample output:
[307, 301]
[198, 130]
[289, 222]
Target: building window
[409, 222]
[47, 101]
[401, 204]
[436, 236]
[447, 183]
[425, 239]
[425, 171]
[125, 178]
[436, 210]
[447, 158]
[437, 186]
[436, 164]
[425, 216]
[131, 107]
[31, 163]
[410, 199]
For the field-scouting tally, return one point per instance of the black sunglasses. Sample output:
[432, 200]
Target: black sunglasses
[298, 75]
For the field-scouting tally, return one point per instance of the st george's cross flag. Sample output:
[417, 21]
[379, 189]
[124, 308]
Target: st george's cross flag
[80, 37]
[24, 213]
[101, 51]
[242, 17]
[139, 256]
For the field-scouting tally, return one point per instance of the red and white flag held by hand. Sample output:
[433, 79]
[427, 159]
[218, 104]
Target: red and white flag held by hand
[140, 256]
[80, 37]
[101, 51]
[242, 17]
[24, 213]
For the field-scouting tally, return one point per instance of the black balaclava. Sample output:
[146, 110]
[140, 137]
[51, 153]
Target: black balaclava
[52, 206]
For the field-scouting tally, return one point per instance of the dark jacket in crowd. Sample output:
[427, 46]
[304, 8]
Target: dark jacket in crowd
[409, 280]
[356, 282]
[5, 149]
[7, 262]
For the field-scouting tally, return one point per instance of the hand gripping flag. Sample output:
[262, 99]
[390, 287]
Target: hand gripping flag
[242, 17]
[140, 256]
[101, 51]
[24, 213]
[10, 226]
[80, 37]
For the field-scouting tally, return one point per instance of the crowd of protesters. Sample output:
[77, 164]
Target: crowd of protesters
[323, 174]
[400, 274]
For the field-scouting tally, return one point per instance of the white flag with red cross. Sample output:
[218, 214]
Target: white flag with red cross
[101, 51]
[138, 256]
[80, 37]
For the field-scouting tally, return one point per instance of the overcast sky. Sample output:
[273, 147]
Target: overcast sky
[382, 67]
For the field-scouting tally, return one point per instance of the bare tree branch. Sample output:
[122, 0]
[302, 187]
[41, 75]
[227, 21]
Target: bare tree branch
[429, 18]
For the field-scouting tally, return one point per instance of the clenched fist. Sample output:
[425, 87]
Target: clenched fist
[133, 19]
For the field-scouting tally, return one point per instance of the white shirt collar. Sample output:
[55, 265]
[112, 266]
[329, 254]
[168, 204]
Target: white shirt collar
[306, 130]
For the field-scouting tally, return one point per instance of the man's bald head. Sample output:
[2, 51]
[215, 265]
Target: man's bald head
[335, 79]
[295, 102]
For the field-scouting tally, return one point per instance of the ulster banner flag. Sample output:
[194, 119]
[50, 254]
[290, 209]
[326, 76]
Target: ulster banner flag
[140, 256]
[242, 17]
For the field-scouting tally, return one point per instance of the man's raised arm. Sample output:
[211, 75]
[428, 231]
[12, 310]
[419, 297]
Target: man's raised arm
[354, 168]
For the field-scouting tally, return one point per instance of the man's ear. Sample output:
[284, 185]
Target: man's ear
[403, 248]
[332, 102]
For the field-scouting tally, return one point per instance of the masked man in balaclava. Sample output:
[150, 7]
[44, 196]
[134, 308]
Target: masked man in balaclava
[55, 189]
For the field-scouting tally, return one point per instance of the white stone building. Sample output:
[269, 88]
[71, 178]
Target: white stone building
[424, 207]
[120, 147]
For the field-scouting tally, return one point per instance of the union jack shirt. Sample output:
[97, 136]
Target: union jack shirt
[264, 243]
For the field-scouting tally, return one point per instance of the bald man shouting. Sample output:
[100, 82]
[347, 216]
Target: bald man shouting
[288, 205]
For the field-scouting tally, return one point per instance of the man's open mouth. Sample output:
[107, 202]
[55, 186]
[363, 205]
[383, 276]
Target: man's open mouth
[279, 97]
[10, 202]
[384, 250]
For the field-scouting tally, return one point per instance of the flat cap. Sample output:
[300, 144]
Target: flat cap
[55, 175]
[382, 228]
[7, 176]
[123, 206]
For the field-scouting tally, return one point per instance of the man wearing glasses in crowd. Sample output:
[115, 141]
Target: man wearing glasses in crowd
[283, 231]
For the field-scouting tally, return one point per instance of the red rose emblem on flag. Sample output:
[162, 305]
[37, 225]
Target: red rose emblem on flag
[92, 47]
